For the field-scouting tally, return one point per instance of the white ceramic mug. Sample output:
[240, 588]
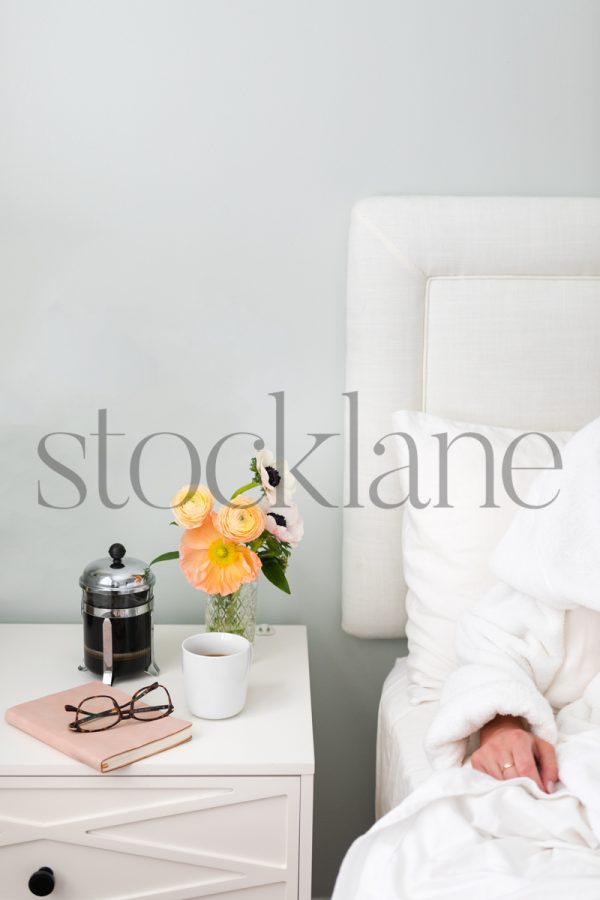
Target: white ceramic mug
[215, 673]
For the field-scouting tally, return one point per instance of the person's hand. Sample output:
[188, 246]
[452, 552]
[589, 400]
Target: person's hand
[508, 750]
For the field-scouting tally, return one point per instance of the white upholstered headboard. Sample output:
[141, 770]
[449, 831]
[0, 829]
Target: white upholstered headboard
[482, 309]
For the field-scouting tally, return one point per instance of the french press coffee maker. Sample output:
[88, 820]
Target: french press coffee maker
[116, 607]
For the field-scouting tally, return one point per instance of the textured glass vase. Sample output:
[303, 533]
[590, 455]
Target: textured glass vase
[234, 613]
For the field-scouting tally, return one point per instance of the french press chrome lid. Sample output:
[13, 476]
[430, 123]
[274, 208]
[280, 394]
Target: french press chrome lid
[116, 573]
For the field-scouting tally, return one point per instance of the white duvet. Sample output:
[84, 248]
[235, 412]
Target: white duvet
[465, 835]
[531, 646]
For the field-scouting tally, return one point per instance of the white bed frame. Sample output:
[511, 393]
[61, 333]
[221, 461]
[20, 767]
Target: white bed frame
[482, 309]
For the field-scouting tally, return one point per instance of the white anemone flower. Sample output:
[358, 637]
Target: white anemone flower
[284, 522]
[278, 482]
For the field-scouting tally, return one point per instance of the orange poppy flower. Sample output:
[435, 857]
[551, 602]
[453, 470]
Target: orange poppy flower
[213, 564]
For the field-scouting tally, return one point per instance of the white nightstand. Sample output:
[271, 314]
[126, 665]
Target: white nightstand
[227, 815]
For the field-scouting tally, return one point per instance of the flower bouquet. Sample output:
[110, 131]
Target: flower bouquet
[222, 552]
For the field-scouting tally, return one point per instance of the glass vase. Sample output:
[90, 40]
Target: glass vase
[233, 613]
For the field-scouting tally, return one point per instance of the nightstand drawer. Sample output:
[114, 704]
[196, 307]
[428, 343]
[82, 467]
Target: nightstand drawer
[178, 838]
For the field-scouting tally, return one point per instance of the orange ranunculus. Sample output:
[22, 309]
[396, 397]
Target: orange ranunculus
[191, 512]
[213, 564]
[242, 521]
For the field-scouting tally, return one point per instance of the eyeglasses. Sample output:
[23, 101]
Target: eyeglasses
[101, 712]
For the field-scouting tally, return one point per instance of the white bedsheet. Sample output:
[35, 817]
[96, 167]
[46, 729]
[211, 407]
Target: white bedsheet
[401, 761]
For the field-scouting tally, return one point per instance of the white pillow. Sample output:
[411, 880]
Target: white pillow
[446, 551]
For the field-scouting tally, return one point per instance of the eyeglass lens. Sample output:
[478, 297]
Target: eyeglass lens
[154, 705]
[97, 713]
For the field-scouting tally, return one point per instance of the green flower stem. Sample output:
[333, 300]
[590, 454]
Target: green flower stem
[255, 545]
[242, 490]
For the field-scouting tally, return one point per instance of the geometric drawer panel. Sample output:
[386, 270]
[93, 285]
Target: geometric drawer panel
[230, 830]
[174, 838]
[49, 806]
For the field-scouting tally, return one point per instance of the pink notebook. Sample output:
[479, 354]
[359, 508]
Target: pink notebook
[47, 720]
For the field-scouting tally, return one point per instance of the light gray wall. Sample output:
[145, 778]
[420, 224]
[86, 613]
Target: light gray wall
[176, 180]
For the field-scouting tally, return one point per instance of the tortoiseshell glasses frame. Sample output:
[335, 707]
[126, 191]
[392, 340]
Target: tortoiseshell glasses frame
[87, 720]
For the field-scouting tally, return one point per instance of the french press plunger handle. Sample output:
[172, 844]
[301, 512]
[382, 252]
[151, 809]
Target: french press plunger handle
[116, 553]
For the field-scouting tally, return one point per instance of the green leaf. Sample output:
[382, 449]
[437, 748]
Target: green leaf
[173, 554]
[273, 548]
[173, 523]
[273, 572]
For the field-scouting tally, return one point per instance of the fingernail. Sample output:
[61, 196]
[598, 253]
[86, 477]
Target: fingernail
[550, 787]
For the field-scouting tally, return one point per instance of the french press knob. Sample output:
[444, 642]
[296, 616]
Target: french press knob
[116, 553]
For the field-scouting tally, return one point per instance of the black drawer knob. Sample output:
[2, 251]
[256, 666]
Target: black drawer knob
[41, 882]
